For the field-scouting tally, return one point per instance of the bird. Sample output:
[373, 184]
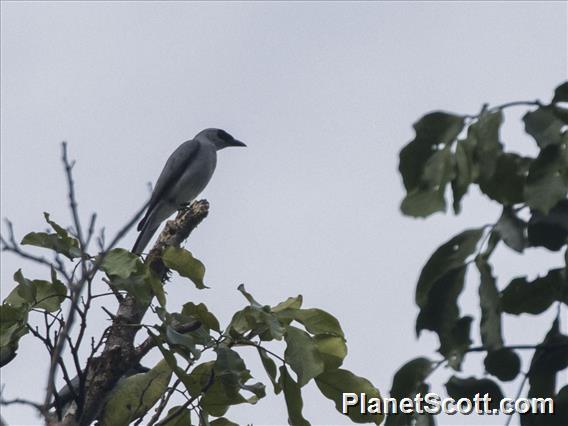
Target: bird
[186, 173]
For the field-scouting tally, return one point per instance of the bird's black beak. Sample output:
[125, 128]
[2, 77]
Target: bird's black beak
[237, 143]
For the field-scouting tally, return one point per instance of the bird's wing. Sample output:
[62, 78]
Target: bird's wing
[172, 171]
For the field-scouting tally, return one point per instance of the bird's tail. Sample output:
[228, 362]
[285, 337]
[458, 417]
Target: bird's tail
[144, 237]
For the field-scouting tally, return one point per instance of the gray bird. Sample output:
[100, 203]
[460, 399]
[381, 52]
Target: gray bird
[186, 173]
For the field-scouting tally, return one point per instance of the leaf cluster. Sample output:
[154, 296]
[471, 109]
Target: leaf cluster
[449, 154]
[200, 358]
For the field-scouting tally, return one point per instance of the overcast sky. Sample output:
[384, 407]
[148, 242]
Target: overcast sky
[324, 95]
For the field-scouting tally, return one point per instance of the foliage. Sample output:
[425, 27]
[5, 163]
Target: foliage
[200, 358]
[449, 154]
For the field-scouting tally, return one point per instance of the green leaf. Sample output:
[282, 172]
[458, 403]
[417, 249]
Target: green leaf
[302, 354]
[201, 313]
[551, 230]
[258, 389]
[447, 257]
[432, 130]
[183, 262]
[503, 363]
[423, 203]
[409, 377]
[485, 133]
[13, 325]
[222, 421]
[428, 196]
[262, 322]
[60, 241]
[216, 400]
[257, 318]
[188, 325]
[49, 296]
[293, 397]
[511, 229]
[455, 341]
[37, 294]
[545, 364]
[138, 284]
[507, 182]
[467, 388]
[560, 416]
[270, 368]
[134, 396]
[553, 356]
[334, 384]
[408, 381]
[127, 272]
[441, 282]
[332, 350]
[467, 170]
[543, 125]
[230, 370]
[290, 303]
[490, 326]
[439, 169]
[441, 315]
[535, 297]
[8, 353]
[229, 378]
[24, 293]
[547, 181]
[316, 321]
[191, 382]
[200, 378]
[120, 263]
[424, 419]
[11, 316]
[248, 296]
[181, 418]
[560, 113]
[183, 340]
[561, 93]
[59, 230]
[9, 341]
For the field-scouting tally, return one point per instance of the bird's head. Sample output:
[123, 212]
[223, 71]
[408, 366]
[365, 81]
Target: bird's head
[219, 138]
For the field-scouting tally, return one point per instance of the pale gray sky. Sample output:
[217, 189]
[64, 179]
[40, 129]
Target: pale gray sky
[324, 95]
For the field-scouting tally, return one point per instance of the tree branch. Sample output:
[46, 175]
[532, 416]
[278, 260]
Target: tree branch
[76, 290]
[119, 353]
[71, 195]
[521, 347]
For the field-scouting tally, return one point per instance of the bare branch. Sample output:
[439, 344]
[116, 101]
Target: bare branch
[71, 194]
[76, 290]
[91, 230]
[22, 402]
[101, 239]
